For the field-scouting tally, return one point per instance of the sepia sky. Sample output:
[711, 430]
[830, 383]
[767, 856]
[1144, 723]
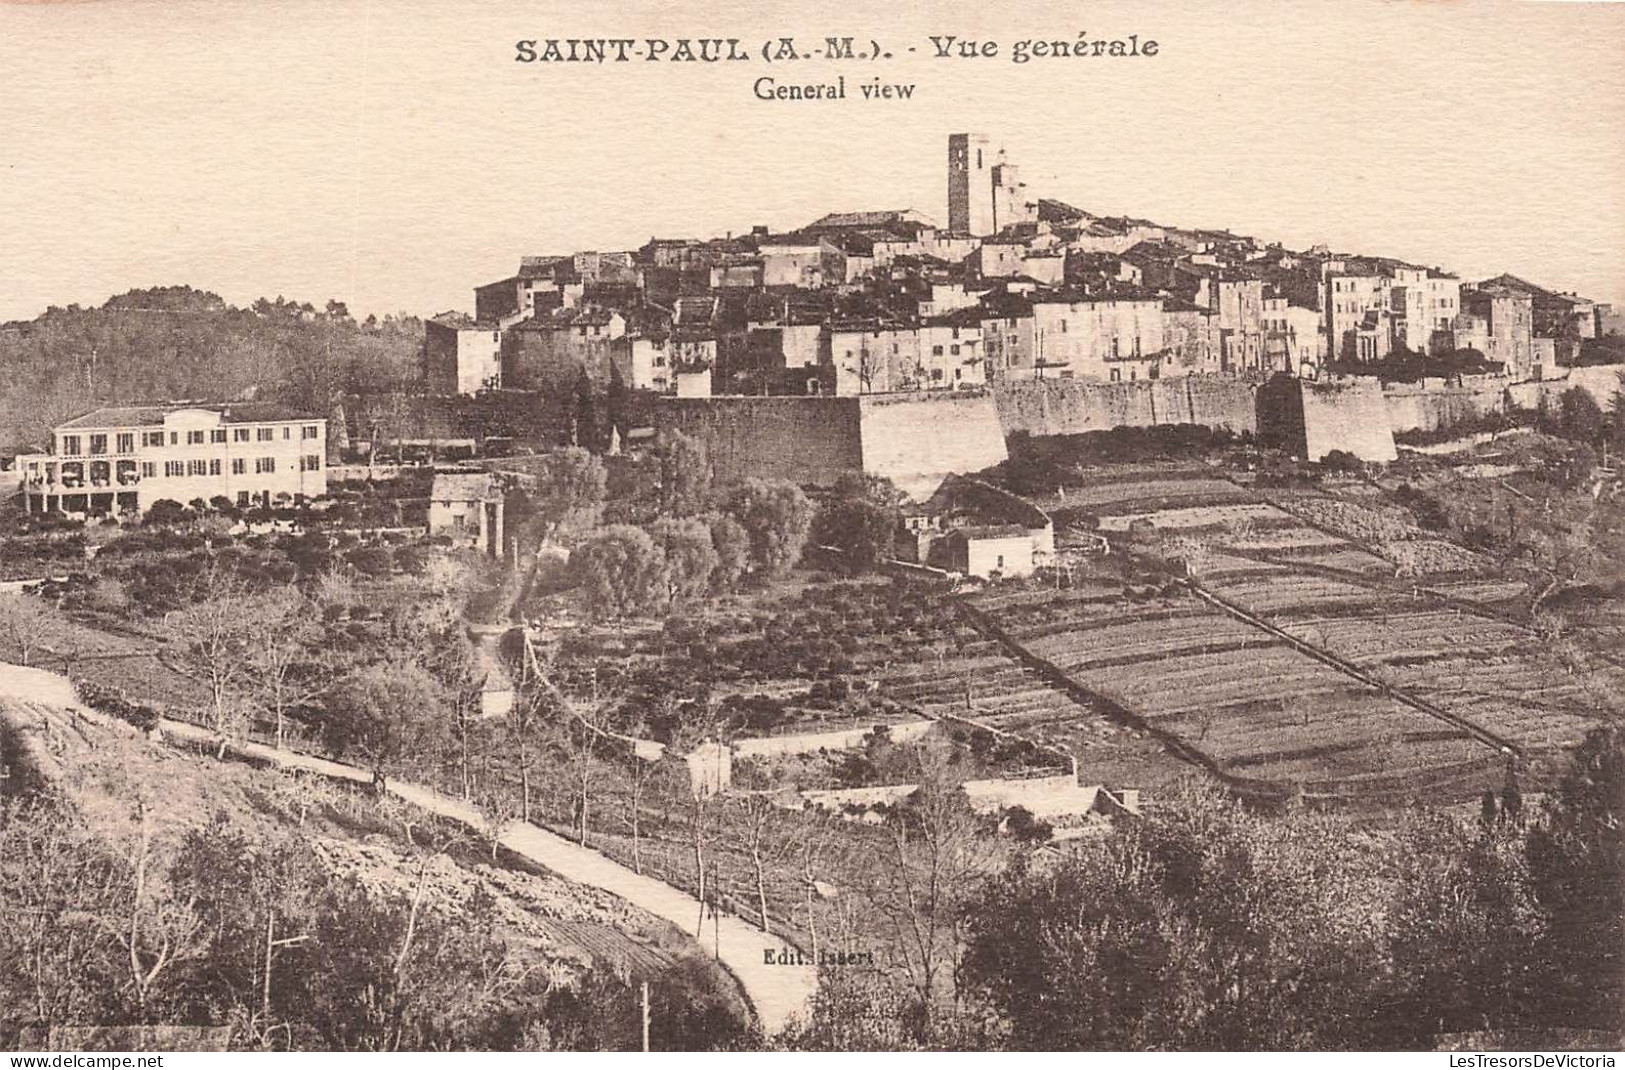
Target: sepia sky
[395, 155]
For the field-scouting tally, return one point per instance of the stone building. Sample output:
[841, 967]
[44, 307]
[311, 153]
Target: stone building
[461, 355]
[122, 460]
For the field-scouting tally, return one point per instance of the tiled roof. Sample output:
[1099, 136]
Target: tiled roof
[990, 531]
[242, 412]
[462, 486]
[865, 219]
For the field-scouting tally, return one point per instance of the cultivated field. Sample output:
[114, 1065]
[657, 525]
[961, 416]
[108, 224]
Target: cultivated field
[1258, 711]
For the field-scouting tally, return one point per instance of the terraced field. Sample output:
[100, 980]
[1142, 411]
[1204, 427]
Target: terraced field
[1422, 633]
[979, 679]
[1352, 575]
[1251, 706]
[1393, 609]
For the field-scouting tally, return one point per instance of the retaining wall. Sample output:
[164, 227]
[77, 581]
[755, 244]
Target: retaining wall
[812, 742]
[1043, 797]
[1073, 406]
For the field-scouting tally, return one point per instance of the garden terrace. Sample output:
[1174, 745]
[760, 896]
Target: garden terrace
[1502, 595]
[1258, 711]
[1515, 691]
[977, 753]
[1196, 517]
[1171, 490]
[1292, 595]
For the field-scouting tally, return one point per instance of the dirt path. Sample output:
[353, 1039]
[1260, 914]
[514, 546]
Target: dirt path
[776, 992]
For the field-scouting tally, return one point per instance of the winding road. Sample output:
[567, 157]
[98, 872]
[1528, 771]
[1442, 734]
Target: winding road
[777, 993]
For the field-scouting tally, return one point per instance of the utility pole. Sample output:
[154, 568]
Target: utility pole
[645, 988]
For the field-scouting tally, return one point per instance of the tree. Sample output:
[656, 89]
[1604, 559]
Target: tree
[934, 853]
[26, 623]
[215, 634]
[580, 735]
[1576, 855]
[619, 570]
[1579, 417]
[860, 520]
[685, 475]
[731, 542]
[285, 677]
[392, 713]
[584, 416]
[535, 704]
[777, 516]
[764, 848]
[569, 492]
[689, 559]
[160, 931]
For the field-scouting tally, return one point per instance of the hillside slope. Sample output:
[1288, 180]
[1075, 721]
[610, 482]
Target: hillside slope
[127, 798]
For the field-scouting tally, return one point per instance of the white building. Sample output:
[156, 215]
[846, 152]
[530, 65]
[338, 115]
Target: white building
[1112, 337]
[461, 355]
[120, 460]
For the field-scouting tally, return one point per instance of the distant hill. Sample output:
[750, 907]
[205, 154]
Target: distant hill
[176, 342]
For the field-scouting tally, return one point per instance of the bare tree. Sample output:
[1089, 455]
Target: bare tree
[215, 634]
[279, 658]
[25, 622]
[935, 851]
[757, 809]
[581, 735]
[526, 716]
[814, 843]
[158, 932]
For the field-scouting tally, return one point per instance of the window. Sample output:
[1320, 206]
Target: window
[953, 351]
[197, 468]
[264, 434]
[70, 445]
[264, 465]
[195, 438]
[1117, 375]
[214, 467]
[149, 469]
[174, 438]
[310, 462]
[152, 438]
[242, 497]
[287, 433]
[126, 442]
[310, 431]
[239, 434]
[936, 351]
[239, 466]
[98, 445]
[217, 435]
[172, 469]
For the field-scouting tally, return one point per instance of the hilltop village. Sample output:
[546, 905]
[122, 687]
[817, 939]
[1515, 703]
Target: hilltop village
[1031, 629]
[1014, 290]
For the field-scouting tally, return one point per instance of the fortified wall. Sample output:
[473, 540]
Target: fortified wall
[807, 440]
[1073, 406]
[1602, 382]
[1432, 404]
[1311, 419]
[919, 440]
[916, 440]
